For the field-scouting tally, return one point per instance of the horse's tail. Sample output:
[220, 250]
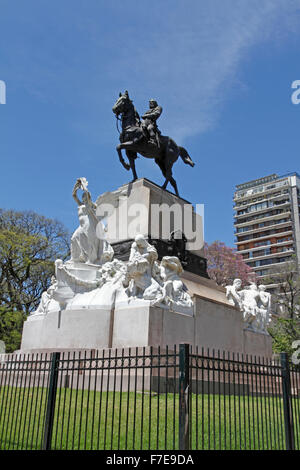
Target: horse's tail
[185, 156]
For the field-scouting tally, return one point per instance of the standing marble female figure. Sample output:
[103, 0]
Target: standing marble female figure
[86, 246]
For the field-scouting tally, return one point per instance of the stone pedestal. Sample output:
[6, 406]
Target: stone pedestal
[151, 326]
[258, 344]
[212, 325]
[67, 330]
[144, 207]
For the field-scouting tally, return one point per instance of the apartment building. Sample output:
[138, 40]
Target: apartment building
[266, 221]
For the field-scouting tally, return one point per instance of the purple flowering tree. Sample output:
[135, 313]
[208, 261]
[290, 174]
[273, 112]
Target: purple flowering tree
[224, 264]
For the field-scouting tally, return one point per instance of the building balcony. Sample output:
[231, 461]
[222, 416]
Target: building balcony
[278, 234]
[261, 211]
[248, 195]
[271, 265]
[262, 247]
[284, 193]
[267, 195]
[271, 255]
[270, 212]
[274, 226]
[281, 215]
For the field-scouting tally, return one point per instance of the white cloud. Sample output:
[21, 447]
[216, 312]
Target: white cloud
[185, 53]
[190, 59]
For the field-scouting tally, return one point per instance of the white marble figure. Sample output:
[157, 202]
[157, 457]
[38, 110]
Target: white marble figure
[86, 245]
[249, 298]
[47, 297]
[109, 282]
[233, 295]
[264, 307]
[111, 272]
[139, 278]
[254, 303]
[108, 252]
[174, 292]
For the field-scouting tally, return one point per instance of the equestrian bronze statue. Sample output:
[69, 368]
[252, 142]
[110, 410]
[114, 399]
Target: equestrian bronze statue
[144, 138]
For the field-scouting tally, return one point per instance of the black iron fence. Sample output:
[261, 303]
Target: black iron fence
[148, 398]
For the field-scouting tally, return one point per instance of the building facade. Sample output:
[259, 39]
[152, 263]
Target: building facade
[267, 222]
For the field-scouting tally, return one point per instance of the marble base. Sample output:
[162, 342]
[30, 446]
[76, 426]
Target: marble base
[67, 329]
[212, 325]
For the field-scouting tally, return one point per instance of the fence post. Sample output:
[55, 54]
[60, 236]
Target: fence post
[287, 402]
[184, 383]
[51, 401]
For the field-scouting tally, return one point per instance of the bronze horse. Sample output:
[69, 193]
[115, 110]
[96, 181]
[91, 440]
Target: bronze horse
[133, 141]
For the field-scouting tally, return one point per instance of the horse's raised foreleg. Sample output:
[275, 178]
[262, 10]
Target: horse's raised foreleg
[119, 150]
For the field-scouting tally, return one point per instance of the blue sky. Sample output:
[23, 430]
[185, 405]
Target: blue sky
[221, 69]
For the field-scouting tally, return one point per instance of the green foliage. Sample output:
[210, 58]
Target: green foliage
[286, 302]
[287, 294]
[283, 332]
[11, 324]
[29, 245]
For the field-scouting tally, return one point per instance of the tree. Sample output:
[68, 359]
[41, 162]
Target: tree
[29, 245]
[11, 324]
[285, 328]
[284, 331]
[224, 264]
[286, 295]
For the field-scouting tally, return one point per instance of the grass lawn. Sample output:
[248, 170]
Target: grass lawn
[107, 420]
